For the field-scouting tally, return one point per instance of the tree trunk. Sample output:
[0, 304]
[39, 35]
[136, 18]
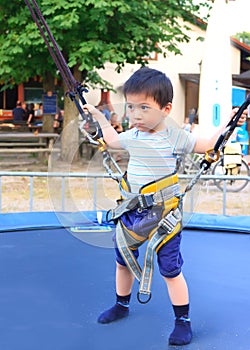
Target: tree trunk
[70, 134]
[48, 119]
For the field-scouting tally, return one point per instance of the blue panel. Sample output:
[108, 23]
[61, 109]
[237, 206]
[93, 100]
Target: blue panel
[216, 114]
[238, 96]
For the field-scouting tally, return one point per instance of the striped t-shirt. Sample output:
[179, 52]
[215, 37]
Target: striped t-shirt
[153, 155]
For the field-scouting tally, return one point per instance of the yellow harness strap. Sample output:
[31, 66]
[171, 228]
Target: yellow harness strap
[166, 204]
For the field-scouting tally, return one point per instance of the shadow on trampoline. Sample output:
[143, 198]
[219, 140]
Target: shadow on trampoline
[53, 287]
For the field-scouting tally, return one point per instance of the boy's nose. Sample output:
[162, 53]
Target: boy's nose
[137, 114]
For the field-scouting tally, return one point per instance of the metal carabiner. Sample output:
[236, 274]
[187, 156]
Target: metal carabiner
[149, 296]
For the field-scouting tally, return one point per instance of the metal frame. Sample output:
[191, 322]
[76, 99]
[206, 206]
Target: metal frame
[95, 177]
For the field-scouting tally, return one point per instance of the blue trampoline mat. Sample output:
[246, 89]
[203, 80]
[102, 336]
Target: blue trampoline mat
[54, 286]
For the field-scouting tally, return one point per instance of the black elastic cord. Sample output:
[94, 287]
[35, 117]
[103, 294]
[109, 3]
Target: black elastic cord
[55, 52]
[231, 126]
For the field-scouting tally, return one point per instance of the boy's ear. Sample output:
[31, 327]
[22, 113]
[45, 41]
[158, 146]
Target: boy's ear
[168, 108]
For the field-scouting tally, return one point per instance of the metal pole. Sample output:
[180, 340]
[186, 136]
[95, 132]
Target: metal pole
[0, 194]
[31, 193]
[224, 197]
[95, 194]
[63, 193]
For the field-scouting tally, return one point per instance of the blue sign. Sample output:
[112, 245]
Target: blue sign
[49, 104]
[238, 96]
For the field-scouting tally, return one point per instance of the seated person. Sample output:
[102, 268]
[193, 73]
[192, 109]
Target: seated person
[26, 111]
[39, 111]
[31, 114]
[18, 112]
[104, 109]
[115, 123]
[58, 121]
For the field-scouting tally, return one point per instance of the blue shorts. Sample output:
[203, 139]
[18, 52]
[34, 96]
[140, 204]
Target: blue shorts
[169, 257]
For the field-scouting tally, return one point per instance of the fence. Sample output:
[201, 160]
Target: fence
[21, 191]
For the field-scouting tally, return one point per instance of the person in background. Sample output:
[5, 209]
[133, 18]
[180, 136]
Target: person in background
[115, 122]
[39, 111]
[125, 122]
[26, 111]
[105, 111]
[18, 112]
[58, 121]
[31, 115]
[189, 120]
[242, 137]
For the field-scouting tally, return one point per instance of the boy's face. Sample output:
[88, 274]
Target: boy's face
[145, 113]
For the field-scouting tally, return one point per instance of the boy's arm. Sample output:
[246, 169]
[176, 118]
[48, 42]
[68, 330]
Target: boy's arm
[109, 133]
[202, 145]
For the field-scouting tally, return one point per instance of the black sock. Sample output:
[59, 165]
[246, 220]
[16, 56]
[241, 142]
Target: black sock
[181, 310]
[118, 311]
[123, 300]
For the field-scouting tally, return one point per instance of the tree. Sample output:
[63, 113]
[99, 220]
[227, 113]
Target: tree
[243, 37]
[89, 33]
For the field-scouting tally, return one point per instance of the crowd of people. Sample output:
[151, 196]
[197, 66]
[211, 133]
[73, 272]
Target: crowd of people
[30, 114]
[119, 124]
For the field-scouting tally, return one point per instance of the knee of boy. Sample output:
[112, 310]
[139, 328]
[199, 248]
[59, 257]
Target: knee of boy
[119, 258]
[169, 258]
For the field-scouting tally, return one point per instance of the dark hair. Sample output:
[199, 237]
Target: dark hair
[152, 83]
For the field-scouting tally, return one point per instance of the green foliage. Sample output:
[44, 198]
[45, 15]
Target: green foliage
[243, 37]
[89, 33]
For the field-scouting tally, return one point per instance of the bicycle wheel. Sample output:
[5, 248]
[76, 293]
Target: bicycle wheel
[232, 185]
[192, 163]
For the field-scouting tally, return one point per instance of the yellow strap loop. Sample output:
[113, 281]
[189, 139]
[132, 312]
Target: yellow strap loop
[211, 156]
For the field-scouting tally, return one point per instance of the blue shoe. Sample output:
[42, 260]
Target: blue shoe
[182, 333]
[115, 313]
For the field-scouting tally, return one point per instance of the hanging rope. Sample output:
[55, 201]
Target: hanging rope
[213, 154]
[75, 89]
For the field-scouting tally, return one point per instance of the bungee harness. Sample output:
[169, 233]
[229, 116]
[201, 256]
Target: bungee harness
[155, 214]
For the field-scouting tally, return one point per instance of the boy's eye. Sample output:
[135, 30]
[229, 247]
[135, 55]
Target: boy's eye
[144, 108]
[130, 107]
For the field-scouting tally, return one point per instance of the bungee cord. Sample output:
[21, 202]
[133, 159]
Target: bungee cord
[212, 155]
[75, 90]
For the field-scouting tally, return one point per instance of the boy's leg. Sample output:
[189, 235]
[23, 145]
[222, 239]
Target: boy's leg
[124, 280]
[124, 283]
[170, 262]
[178, 293]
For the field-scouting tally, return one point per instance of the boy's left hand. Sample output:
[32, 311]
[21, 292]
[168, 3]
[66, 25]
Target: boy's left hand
[243, 116]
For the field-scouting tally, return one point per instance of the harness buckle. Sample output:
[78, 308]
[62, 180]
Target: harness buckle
[170, 221]
[145, 201]
[142, 201]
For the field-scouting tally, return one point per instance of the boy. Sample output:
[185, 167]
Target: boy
[151, 146]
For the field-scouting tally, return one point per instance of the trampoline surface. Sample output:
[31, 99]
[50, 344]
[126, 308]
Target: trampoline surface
[53, 287]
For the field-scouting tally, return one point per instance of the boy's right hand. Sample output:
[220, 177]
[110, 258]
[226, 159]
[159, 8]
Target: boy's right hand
[93, 111]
